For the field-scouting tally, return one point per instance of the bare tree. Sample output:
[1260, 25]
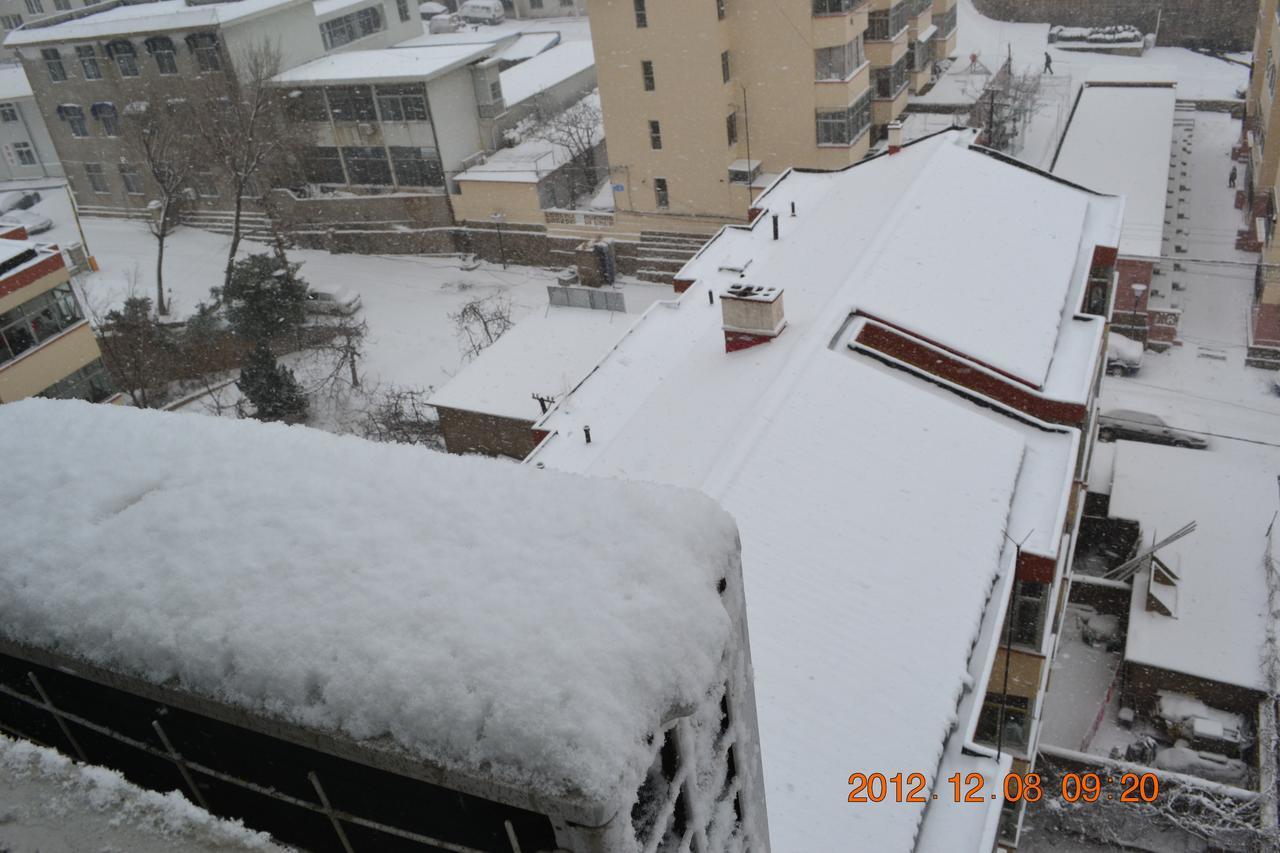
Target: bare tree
[163, 139]
[245, 130]
[480, 322]
[402, 416]
[578, 130]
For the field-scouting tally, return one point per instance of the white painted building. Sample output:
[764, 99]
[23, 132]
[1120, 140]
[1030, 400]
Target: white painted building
[24, 140]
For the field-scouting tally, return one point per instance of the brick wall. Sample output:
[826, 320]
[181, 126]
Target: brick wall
[1226, 24]
[472, 432]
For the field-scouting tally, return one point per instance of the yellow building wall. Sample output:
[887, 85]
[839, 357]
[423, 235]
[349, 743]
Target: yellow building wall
[30, 291]
[1025, 669]
[516, 201]
[772, 90]
[37, 370]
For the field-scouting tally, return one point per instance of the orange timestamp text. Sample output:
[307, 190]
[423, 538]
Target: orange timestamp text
[1015, 787]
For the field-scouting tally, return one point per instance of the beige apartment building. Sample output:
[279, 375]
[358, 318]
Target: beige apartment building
[47, 347]
[1258, 164]
[704, 102]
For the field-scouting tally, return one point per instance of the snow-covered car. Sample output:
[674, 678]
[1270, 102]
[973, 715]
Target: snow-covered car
[341, 302]
[35, 223]
[1124, 355]
[483, 12]
[17, 200]
[1144, 426]
[430, 9]
[446, 23]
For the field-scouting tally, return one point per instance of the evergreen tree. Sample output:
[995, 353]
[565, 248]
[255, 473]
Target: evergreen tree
[264, 298]
[271, 388]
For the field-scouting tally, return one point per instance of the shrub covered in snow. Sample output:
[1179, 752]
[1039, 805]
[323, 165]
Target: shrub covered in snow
[532, 627]
[1116, 34]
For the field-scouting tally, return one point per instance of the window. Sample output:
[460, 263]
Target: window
[10, 22]
[351, 103]
[129, 177]
[53, 62]
[367, 165]
[566, 3]
[124, 56]
[720, 9]
[495, 91]
[8, 113]
[204, 47]
[655, 135]
[946, 23]
[660, 196]
[62, 5]
[306, 105]
[646, 74]
[404, 103]
[888, 83]
[349, 28]
[1015, 711]
[35, 7]
[844, 127]
[731, 128]
[642, 17]
[323, 166]
[88, 57]
[724, 66]
[204, 184]
[97, 177]
[74, 117]
[402, 8]
[1030, 600]
[417, 167]
[105, 112]
[886, 24]
[535, 4]
[834, 7]
[838, 63]
[90, 382]
[37, 320]
[161, 48]
[25, 153]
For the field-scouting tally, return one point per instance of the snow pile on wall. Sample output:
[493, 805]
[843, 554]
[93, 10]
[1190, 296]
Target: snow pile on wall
[51, 804]
[526, 625]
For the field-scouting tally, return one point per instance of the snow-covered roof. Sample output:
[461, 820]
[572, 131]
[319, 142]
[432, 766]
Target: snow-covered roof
[546, 70]
[545, 354]
[529, 45]
[1144, 74]
[1220, 604]
[13, 83]
[144, 17]
[1118, 142]
[873, 501]
[531, 160]
[484, 35]
[382, 65]
[371, 589]
[53, 803]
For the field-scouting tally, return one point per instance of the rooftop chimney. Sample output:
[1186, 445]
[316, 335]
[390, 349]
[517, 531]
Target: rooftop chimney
[895, 137]
[753, 314]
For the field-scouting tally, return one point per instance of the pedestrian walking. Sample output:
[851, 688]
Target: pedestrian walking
[1231, 178]
[1048, 63]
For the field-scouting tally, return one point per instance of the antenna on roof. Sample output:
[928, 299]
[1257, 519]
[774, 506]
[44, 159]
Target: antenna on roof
[1129, 568]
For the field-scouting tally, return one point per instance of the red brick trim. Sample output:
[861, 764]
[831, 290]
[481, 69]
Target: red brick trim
[33, 273]
[734, 341]
[936, 361]
[682, 284]
[1034, 567]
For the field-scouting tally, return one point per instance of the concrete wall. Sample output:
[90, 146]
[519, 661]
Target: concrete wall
[1226, 24]
[452, 100]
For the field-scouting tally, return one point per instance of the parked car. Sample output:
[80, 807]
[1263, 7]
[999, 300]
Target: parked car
[483, 12]
[340, 302]
[445, 23]
[17, 200]
[35, 223]
[430, 9]
[1124, 355]
[1144, 426]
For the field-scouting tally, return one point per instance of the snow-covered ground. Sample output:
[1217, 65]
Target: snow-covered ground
[407, 299]
[50, 804]
[984, 43]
